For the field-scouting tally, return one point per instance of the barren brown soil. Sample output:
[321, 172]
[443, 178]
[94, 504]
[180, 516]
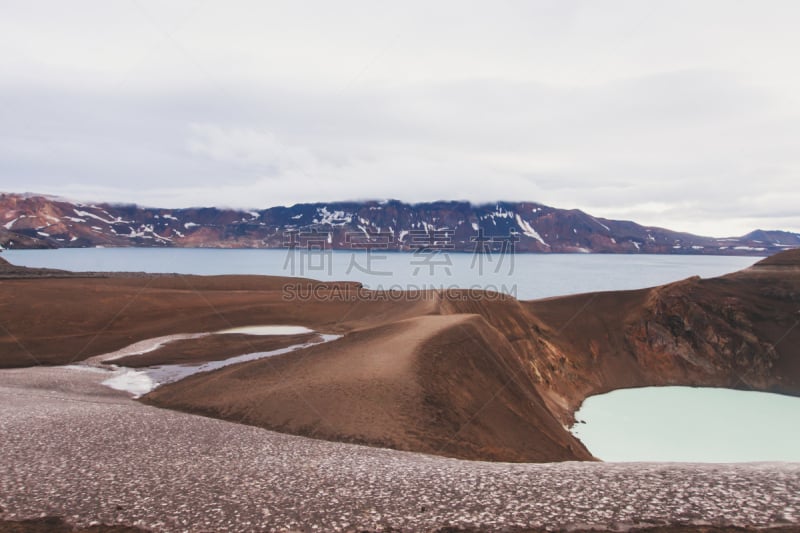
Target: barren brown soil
[450, 374]
[407, 385]
[49, 321]
[789, 258]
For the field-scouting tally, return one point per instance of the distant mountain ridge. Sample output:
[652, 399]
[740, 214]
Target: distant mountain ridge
[39, 221]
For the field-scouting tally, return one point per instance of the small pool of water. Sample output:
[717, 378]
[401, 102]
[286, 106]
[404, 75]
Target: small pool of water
[140, 381]
[268, 330]
[691, 425]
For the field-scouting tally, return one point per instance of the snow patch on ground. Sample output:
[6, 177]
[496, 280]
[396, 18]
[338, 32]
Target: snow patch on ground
[141, 381]
[133, 381]
[268, 330]
[86, 368]
[145, 346]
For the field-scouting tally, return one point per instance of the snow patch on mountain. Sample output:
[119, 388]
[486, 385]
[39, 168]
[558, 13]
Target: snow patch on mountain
[96, 217]
[528, 230]
[335, 218]
[601, 224]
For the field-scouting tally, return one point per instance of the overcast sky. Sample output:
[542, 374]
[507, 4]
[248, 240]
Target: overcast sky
[671, 113]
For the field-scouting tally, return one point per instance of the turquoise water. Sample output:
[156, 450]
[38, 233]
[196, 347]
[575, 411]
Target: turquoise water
[527, 276]
[690, 425]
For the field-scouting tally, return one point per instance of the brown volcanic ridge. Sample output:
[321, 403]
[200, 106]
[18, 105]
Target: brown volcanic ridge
[475, 376]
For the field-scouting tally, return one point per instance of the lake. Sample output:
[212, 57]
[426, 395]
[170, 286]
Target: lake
[690, 425]
[526, 276]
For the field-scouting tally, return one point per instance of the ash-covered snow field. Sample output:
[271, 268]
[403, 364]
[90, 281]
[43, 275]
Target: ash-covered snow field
[75, 448]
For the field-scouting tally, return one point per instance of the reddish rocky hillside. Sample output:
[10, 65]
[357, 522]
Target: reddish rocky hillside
[30, 221]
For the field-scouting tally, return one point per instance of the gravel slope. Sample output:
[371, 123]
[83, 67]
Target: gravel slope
[73, 448]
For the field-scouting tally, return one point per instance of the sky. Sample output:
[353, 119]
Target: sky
[681, 114]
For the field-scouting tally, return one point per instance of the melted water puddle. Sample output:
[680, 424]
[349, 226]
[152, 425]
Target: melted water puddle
[141, 381]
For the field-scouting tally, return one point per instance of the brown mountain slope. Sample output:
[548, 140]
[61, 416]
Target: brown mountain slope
[790, 258]
[460, 374]
[435, 384]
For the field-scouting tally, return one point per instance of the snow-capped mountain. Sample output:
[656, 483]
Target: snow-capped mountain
[33, 221]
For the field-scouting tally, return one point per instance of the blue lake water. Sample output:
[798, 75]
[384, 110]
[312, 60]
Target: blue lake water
[527, 276]
[691, 425]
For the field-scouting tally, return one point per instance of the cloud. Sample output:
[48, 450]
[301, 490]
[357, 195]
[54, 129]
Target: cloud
[636, 112]
[257, 151]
